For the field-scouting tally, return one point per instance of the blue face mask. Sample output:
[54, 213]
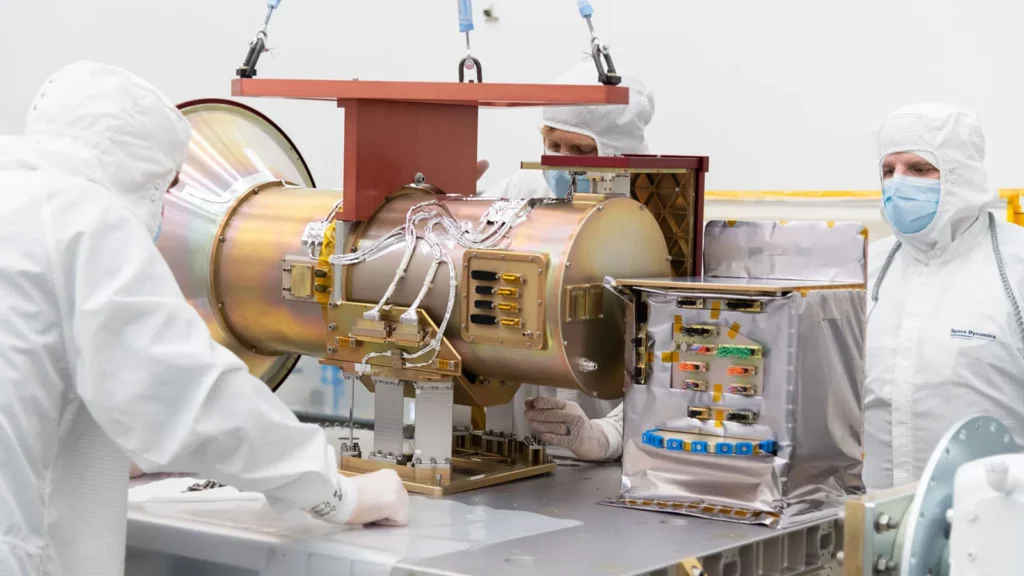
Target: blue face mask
[559, 181]
[159, 227]
[910, 203]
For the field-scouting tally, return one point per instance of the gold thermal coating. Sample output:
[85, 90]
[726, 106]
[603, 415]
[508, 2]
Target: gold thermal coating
[584, 242]
[246, 196]
[233, 149]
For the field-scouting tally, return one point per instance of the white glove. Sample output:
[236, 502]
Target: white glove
[564, 423]
[378, 497]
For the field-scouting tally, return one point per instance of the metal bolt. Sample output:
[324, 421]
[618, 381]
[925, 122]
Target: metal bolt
[332, 326]
[287, 269]
[840, 557]
[884, 523]
[331, 349]
[330, 304]
[567, 264]
[539, 271]
[697, 572]
[419, 178]
[600, 206]
[971, 556]
[222, 238]
[885, 564]
[220, 305]
[499, 341]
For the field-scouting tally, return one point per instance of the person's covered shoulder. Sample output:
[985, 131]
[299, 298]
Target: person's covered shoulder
[521, 184]
[1011, 244]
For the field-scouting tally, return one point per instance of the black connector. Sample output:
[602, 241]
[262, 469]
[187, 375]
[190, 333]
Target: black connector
[484, 319]
[483, 275]
[485, 290]
[483, 304]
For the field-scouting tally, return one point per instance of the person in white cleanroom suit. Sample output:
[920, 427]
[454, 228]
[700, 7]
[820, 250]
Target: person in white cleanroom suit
[566, 417]
[945, 338]
[101, 357]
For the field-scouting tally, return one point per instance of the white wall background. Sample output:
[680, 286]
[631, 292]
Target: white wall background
[781, 95]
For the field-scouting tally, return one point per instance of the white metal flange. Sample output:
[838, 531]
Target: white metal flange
[923, 539]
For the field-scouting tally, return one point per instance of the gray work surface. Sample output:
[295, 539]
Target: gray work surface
[609, 541]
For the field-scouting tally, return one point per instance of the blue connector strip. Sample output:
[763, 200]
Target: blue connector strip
[723, 447]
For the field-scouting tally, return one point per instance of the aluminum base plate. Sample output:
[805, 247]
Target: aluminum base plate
[465, 474]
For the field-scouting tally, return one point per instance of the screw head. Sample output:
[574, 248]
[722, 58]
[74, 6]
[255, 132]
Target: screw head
[222, 238]
[331, 349]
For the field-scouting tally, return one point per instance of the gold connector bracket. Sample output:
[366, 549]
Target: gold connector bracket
[516, 283]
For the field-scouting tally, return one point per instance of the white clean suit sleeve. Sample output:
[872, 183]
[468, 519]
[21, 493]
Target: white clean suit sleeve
[145, 365]
[611, 425]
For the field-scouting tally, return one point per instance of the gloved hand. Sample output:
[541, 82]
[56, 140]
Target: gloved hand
[378, 497]
[563, 423]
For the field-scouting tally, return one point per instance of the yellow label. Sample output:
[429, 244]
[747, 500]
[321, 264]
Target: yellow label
[718, 424]
[446, 364]
[719, 415]
[650, 357]
[686, 445]
[734, 330]
[716, 309]
[667, 356]
[677, 324]
[717, 388]
[830, 224]
[730, 223]
[717, 397]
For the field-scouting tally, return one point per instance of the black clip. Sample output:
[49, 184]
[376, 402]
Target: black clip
[468, 63]
[609, 77]
[256, 48]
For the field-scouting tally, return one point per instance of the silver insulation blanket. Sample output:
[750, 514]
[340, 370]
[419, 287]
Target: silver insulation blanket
[809, 401]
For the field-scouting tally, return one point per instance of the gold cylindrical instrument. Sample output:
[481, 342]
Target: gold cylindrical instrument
[532, 309]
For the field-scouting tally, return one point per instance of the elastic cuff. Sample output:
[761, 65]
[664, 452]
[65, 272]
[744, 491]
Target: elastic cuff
[342, 504]
[614, 439]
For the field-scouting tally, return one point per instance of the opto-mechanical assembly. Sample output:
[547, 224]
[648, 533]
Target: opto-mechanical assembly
[404, 278]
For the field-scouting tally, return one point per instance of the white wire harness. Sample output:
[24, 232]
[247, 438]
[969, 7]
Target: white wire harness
[433, 223]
